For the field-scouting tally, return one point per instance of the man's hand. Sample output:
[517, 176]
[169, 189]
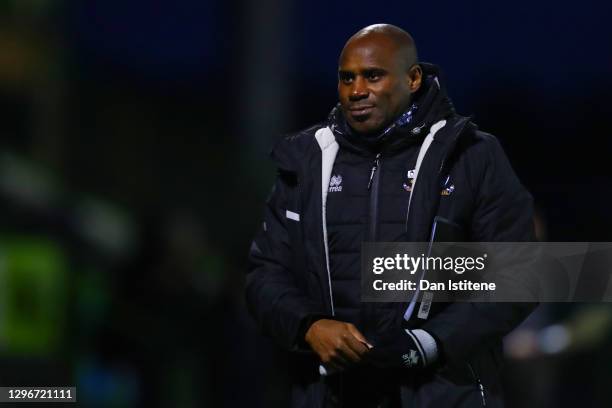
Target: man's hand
[338, 344]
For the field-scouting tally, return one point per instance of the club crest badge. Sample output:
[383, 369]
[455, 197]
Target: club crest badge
[335, 184]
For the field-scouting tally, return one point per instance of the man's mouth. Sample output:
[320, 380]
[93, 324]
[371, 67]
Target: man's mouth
[361, 110]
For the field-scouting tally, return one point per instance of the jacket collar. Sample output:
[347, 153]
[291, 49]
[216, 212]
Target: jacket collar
[425, 197]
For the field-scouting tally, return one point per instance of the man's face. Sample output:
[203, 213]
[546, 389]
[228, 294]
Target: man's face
[374, 85]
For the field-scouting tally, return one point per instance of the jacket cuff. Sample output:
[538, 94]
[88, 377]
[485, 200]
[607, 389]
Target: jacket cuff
[426, 344]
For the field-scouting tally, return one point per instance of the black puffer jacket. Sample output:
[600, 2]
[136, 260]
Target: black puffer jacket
[297, 262]
[367, 199]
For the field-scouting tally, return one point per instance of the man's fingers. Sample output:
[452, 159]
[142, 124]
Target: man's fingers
[359, 336]
[356, 346]
[338, 360]
[338, 344]
[350, 349]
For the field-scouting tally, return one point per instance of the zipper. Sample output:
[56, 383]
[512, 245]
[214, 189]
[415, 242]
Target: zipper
[373, 189]
[479, 383]
[368, 308]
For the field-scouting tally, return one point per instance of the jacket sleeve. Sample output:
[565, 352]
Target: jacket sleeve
[280, 308]
[503, 213]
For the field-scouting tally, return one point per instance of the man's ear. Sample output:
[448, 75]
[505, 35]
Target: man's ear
[415, 76]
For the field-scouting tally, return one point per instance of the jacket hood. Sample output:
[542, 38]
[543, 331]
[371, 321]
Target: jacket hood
[430, 104]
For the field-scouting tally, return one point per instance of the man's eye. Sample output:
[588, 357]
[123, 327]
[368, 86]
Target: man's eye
[373, 76]
[346, 78]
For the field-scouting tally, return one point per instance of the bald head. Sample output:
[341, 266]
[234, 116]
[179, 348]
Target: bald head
[377, 76]
[392, 36]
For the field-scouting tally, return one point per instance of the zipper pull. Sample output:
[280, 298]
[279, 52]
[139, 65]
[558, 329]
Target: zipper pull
[484, 401]
[480, 386]
[374, 168]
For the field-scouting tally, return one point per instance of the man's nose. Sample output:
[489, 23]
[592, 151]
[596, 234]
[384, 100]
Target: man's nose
[359, 89]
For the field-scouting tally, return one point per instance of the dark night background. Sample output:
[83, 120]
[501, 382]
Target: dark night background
[133, 171]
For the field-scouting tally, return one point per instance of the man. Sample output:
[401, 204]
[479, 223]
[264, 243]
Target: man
[392, 157]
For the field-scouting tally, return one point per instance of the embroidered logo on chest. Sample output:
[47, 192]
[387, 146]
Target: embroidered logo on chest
[335, 184]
